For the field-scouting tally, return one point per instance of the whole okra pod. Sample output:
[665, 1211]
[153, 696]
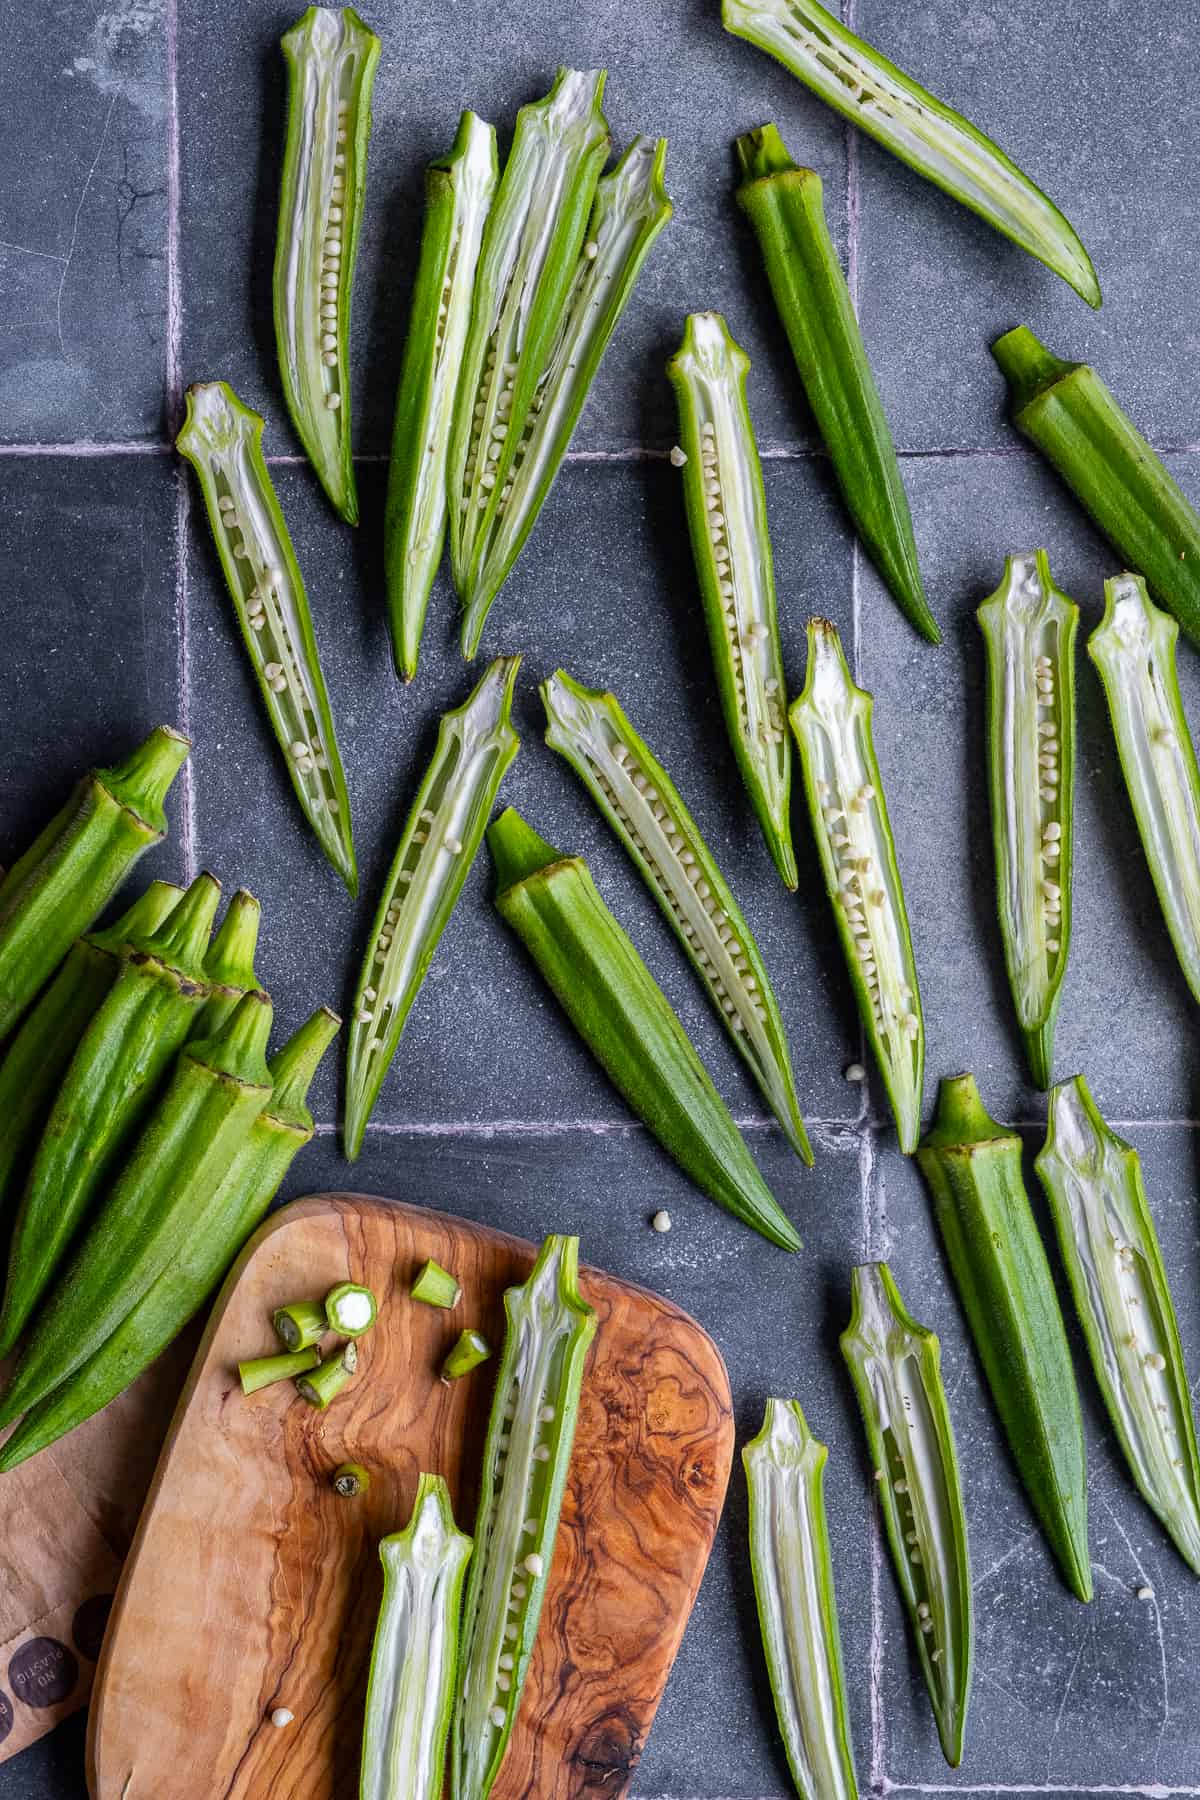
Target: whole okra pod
[973, 1170]
[70, 872]
[785, 206]
[229, 963]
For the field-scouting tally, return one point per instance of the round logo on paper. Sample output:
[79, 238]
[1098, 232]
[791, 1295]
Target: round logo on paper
[6, 1715]
[42, 1672]
[88, 1625]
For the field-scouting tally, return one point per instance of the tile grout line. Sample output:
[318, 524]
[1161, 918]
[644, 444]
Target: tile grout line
[851, 1129]
[173, 398]
[81, 447]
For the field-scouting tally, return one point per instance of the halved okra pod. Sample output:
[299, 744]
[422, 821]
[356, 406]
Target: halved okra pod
[531, 1430]
[731, 547]
[785, 206]
[219, 1087]
[1121, 483]
[530, 254]
[106, 1093]
[642, 805]
[458, 196]
[222, 439]
[973, 1170]
[832, 723]
[1093, 1181]
[74, 867]
[476, 743]
[895, 1365]
[797, 1610]
[1029, 629]
[626, 1021]
[630, 210]
[229, 962]
[851, 76]
[1133, 647]
[217, 1232]
[331, 57]
[410, 1694]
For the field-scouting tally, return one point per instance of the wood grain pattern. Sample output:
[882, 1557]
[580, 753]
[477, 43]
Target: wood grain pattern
[251, 1586]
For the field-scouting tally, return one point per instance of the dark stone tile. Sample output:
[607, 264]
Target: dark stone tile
[937, 285]
[1126, 1016]
[51, 1769]
[484, 1036]
[494, 64]
[83, 222]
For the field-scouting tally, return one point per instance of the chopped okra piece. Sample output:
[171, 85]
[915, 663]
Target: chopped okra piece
[300, 1324]
[325, 1383]
[471, 1349]
[436, 1286]
[350, 1309]
[264, 1371]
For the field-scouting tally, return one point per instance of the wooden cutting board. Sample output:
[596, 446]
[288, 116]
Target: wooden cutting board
[251, 1586]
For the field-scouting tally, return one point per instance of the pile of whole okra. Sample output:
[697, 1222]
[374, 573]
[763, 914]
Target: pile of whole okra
[522, 278]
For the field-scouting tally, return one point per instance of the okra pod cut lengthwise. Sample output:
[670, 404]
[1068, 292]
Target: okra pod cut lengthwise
[222, 439]
[785, 206]
[973, 1170]
[1029, 630]
[832, 723]
[625, 1020]
[331, 58]
[872, 93]
[531, 1430]
[1093, 1180]
[731, 547]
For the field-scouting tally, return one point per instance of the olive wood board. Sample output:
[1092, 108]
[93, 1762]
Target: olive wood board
[251, 1586]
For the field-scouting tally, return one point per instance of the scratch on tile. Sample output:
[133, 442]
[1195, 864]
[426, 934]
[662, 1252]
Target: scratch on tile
[62, 349]
[1145, 1581]
[1066, 1695]
[27, 250]
[1013, 1550]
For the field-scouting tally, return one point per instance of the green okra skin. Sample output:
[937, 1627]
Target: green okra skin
[531, 1432]
[895, 1365]
[331, 58]
[1133, 648]
[300, 1324]
[797, 1609]
[63, 882]
[350, 1309]
[1029, 629]
[410, 1693]
[832, 723]
[642, 805]
[476, 743]
[218, 1089]
[321, 1385]
[785, 206]
[531, 246]
[1119, 480]
[731, 548]
[458, 196]
[630, 209]
[266, 1371]
[229, 962]
[222, 439]
[873, 94]
[435, 1286]
[1093, 1181]
[41, 1051]
[107, 1091]
[626, 1021]
[972, 1167]
[349, 1480]
[469, 1350]
[219, 1229]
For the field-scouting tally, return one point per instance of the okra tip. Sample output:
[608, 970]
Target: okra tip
[961, 1120]
[143, 780]
[708, 348]
[1039, 1053]
[517, 850]
[1027, 366]
[762, 152]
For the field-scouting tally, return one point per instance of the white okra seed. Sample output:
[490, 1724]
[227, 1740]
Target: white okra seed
[534, 1563]
[497, 1713]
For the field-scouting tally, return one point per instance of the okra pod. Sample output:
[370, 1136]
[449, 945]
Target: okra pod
[218, 1230]
[70, 872]
[476, 743]
[469, 1350]
[1093, 1181]
[331, 57]
[222, 439]
[410, 1694]
[1029, 629]
[642, 805]
[300, 1324]
[797, 1610]
[731, 548]
[630, 209]
[219, 1087]
[1133, 648]
[350, 1309]
[436, 1286]
[873, 94]
[229, 962]
[786, 208]
[973, 1170]
[321, 1385]
[458, 197]
[531, 1430]
[268, 1371]
[1124, 487]
[349, 1480]
[112, 1082]
[626, 1021]
[895, 1365]
[530, 254]
[832, 723]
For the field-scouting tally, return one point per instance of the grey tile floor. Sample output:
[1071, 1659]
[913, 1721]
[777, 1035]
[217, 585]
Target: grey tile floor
[139, 143]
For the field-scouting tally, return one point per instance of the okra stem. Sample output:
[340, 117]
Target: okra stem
[350, 1309]
[300, 1324]
[436, 1286]
[349, 1480]
[471, 1349]
[322, 1385]
[265, 1371]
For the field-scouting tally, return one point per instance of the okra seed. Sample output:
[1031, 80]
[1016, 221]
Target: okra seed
[497, 1713]
[333, 401]
[855, 1072]
[281, 1717]
[935, 1656]
[914, 1556]
[339, 161]
[922, 1609]
[329, 358]
[534, 1563]
[926, 1624]
[546, 1415]
[1155, 1360]
[369, 994]
[678, 457]
[454, 846]
[541, 1454]
[503, 1683]
[910, 1537]
[1052, 944]
[510, 1631]
[299, 750]
[1145, 1592]
[405, 876]
[506, 1661]
[529, 1528]
[1052, 830]
[519, 1590]
[901, 1487]
[591, 249]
